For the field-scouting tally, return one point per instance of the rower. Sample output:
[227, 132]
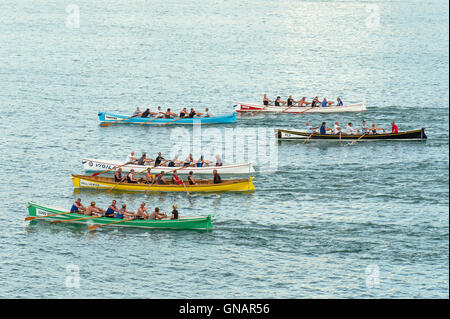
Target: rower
[278, 101]
[191, 179]
[266, 101]
[394, 128]
[157, 214]
[192, 113]
[130, 177]
[310, 129]
[176, 179]
[93, 210]
[146, 113]
[160, 179]
[218, 160]
[77, 207]
[315, 102]
[217, 179]
[118, 175]
[189, 160]
[143, 160]
[202, 162]
[159, 112]
[184, 112]
[174, 162]
[290, 101]
[169, 114]
[337, 129]
[325, 103]
[364, 128]
[148, 179]
[137, 112]
[142, 212]
[159, 159]
[112, 209]
[303, 101]
[339, 102]
[124, 213]
[350, 129]
[131, 158]
[174, 212]
[324, 128]
[207, 113]
[374, 129]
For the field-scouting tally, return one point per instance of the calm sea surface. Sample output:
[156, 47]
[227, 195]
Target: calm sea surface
[366, 221]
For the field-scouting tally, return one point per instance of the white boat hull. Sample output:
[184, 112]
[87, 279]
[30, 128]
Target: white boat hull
[251, 107]
[97, 165]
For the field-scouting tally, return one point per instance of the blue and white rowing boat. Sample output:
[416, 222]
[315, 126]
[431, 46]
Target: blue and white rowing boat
[106, 117]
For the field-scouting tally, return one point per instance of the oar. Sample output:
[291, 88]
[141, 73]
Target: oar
[119, 182]
[340, 135]
[287, 108]
[96, 174]
[106, 124]
[92, 227]
[357, 139]
[304, 110]
[170, 171]
[173, 121]
[70, 220]
[36, 217]
[149, 121]
[261, 109]
[308, 138]
[185, 188]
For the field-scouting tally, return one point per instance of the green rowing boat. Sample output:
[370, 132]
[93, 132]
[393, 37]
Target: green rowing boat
[184, 222]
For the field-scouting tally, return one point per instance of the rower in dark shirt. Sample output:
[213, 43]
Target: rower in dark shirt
[217, 179]
[192, 113]
[183, 113]
[159, 159]
[290, 101]
[160, 179]
[174, 212]
[146, 113]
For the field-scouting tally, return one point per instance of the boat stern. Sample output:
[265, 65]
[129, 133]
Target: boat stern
[76, 181]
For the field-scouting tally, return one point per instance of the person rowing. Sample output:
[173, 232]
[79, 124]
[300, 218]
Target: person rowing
[189, 160]
[77, 207]
[169, 114]
[142, 212]
[144, 160]
[124, 213]
[93, 210]
[146, 113]
[323, 128]
[325, 103]
[159, 160]
[394, 128]
[290, 101]
[207, 113]
[202, 162]
[160, 179]
[157, 214]
[176, 179]
[174, 212]
[174, 162]
[364, 128]
[310, 129]
[112, 209]
[191, 179]
[374, 129]
[337, 129]
[130, 177]
[184, 112]
[266, 101]
[216, 179]
[350, 129]
[278, 101]
[192, 113]
[148, 178]
[137, 112]
[218, 160]
[130, 158]
[315, 102]
[118, 175]
[303, 101]
[159, 113]
[339, 102]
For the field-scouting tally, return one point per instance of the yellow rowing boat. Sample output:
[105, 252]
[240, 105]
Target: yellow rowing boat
[98, 182]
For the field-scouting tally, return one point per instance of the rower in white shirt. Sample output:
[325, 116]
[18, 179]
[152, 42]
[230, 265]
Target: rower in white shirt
[207, 113]
[131, 158]
[350, 129]
[337, 128]
[310, 129]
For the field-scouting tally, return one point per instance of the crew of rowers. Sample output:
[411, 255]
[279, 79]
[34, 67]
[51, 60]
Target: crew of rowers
[113, 211]
[349, 130]
[161, 161]
[169, 114]
[302, 102]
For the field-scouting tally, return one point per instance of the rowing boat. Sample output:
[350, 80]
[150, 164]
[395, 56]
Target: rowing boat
[105, 117]
[400, 136]
[95, 165]
[99, 182]
[184, 222]
[347, 107]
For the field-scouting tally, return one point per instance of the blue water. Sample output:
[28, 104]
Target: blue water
[366, 221]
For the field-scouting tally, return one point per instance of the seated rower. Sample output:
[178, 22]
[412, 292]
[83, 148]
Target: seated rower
[130, 158]
[174, 212]
[93, 210]
[148, 179]
[303, 101]
[350, 129]
[157, 214]
[315, 102]
[169, 114]
[323, 128]
[159, 113]
[118, 175]
[189, 160]
[146, 113]
[160, 160]
[339, 102]
[176, 179]
[290, 101]
[137, 112]
[160, 179]
[310, 129]
[124, 213]
[266, 101]
[184, 112]
[77, 207]
[364, 128]
[142, 212]
[144, 160]
[191, 179]
[278, 101]
[112, 209]
[325, 103]
[174, 162]
[207, 113]
[130, 177]
[337, 129]
[374, 129]
[216, 179]
[218, 160]
[202, 162]
[394, 128]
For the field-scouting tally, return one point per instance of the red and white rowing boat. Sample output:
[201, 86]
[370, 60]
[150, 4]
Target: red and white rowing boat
[347, 107]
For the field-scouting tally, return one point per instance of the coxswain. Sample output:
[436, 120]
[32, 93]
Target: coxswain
[130, 158]
[160, 179]
[112, 209]
[191, 179]
[176, 179]
[77, 207]
[216, 179]
[174, 212]
[303, 101]
[130, 177]
[310, 129]
[142, 212]
[394, 128]
[266, 101]
[339, 102]
[93, 210]
[157, 214]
